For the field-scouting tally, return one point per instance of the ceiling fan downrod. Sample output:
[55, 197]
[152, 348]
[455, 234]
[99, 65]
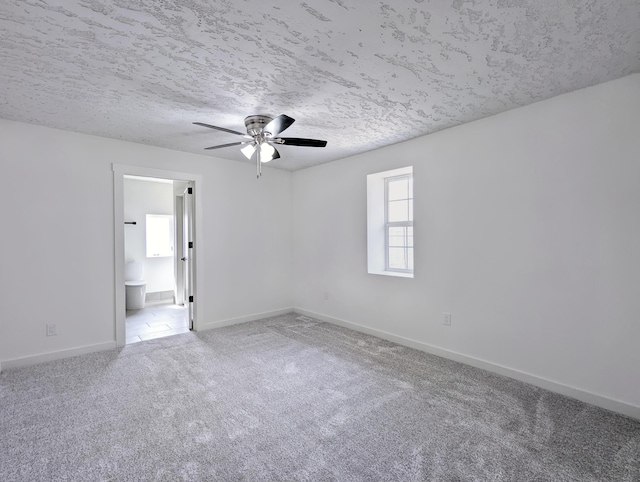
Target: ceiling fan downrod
[258, 163]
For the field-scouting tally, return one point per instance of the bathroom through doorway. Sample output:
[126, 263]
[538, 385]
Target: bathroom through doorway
[157, 213]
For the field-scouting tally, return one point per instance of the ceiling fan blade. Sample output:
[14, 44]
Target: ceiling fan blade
[276, 154]
[220, 129]
[296, 141]
[279, 124]
[227, 145]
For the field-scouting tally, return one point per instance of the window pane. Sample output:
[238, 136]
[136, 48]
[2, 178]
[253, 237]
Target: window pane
[398, 189]
[410, 259]
[411, 188]
[397, 241]
[397, 259]
[400, 236]
[397, 236]
[159, 235]
[398, 211]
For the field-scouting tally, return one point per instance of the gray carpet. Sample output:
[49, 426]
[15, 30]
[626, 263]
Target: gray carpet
[289, 398]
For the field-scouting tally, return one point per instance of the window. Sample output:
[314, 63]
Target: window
[390, 222]
[399, 223]
[159, 235]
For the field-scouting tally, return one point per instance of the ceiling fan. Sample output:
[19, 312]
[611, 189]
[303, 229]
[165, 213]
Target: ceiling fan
[262, 132]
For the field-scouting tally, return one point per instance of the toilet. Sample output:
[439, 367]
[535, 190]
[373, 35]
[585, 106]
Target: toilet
[135, 286]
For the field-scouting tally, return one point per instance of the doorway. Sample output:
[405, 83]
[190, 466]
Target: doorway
[170, 304]
[153, 258]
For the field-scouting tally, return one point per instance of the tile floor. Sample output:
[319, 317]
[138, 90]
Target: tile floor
[156, 320]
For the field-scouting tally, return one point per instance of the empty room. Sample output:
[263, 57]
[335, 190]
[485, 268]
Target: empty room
[398, 240]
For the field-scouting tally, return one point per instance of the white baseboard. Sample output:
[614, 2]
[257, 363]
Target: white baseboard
[572, 392]
[56, 355]
[242, 319]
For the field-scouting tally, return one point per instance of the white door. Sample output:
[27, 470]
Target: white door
[180, 253]
[188, 249]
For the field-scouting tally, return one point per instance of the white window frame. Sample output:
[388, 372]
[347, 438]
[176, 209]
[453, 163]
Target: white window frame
[377, 240]
[389, 224]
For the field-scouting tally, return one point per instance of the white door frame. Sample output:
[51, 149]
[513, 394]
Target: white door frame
[187, 240]
[119, 171]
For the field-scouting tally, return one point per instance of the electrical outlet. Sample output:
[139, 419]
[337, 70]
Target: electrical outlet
[326, 295]
[51, 329]
[446, 319]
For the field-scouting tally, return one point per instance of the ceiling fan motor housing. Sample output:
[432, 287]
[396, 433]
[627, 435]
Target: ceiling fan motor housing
[255, 124]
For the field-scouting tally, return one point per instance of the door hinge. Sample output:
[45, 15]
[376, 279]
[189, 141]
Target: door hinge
[191, 244]
[189, 190]
[190, 299]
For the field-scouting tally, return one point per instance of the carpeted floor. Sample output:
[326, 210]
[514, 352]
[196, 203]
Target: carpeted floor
[289, 398]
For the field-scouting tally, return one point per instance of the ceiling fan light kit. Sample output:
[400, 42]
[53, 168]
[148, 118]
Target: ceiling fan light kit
[262, 131]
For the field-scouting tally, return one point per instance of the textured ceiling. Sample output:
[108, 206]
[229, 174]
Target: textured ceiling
[360, 74]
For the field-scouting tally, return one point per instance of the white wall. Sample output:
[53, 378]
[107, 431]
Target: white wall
[143, 197]
[58, 237]
[526, 225]
[527, 231]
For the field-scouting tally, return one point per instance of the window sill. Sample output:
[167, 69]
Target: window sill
[397, 274]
